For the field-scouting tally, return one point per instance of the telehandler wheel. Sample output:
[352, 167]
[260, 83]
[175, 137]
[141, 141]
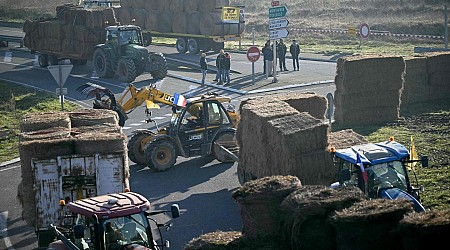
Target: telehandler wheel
[159, 66]
[126, 69]
[228, 141]
[102, 64]
[162, 154]
[135, 153]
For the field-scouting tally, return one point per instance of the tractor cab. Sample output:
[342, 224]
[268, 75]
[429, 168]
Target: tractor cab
[113, 221]
[380, 170]
[88, 4]
[124, 35]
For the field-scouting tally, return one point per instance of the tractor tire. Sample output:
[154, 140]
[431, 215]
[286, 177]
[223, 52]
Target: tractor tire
[135, 154]
[181, 45]
[193, 46]
[162, 154]
[126, 69]
[43, 60]
[159, 66]
[103, 64]
[227, 140]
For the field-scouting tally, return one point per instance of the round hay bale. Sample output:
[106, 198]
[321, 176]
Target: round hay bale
[428, 230]
[140, 16]
[179, 24]
[176, 5]
[372, 222]
[307, 211]
[123, 14]
[90, 117]
[212, 5]
[191, 5]
[139, 4]
[214, 240]
[53, 133]
[165, 21]
[125, 3]
[97, 142]
[151, 23]
[210, 24]
[237, 28]
[44, 120]
[161, 5]
[259, 201]
[193, 23]
[109, 17]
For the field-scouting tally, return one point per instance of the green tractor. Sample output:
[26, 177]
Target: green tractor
[125, 54]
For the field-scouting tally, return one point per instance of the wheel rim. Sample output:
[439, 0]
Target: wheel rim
[163, 156]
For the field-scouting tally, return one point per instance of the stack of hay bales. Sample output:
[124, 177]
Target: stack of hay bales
[276, 139]
[199, 17]
[368, 89]
[75, 31]
[428, 230]
[345, 139]
[438, 65]
[370, 224]
[49, 135]
[416, 88]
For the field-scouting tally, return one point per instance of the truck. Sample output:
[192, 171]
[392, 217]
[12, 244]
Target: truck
[198, 125]
[380, 170]
[196, 25]
[113, 221]
[81, 35]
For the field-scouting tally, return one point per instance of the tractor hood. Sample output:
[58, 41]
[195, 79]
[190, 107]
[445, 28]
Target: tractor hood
[137, 52]
[374, 153]
[395, 194]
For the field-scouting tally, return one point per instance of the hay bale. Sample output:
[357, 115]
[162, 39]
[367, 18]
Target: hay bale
[124, 15]
[176, 6]
[44, 120]
[99, 128]
[311, 103]
[307, 211]
[416, 88]
[371, 222]
[209, 25]
[259, 201]
[438, 64]
[151, 23]
[345, 139]
[140, 17]
[212, 5]
[428, 230]
[90, 117]
[45, 134]
[191, 5]
[179, 24]
[125, 3]
[193, 22]
[97, 142]
[214, 241]
[165, 21]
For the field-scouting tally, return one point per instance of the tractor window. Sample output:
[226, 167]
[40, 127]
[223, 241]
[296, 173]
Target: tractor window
[353, 181]
[119, 232]
[193, 117]
[385, 175]
[130, 37]
[216, 114]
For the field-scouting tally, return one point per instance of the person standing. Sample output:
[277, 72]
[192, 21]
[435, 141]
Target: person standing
[219, 64]
[203, 67]
[295, 52]
[226, 68]
[268, 58]
[266, 45]
[281, 48]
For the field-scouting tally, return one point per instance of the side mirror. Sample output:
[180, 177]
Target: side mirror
[78, 231]
[175, 209]
[424, 160]
[345, 174]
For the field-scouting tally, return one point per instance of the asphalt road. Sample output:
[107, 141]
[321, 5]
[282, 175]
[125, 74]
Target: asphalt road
[201, 187]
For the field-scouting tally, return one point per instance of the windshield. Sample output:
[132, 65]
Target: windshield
[127, 230]
[386, 175]
[131, 36]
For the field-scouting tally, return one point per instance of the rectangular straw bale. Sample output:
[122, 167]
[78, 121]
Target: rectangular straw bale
[44, 120]
[439, 74]
[90, 117]
[312, 103]
[416, 87]
[345, 138]
[97, 142]
[374, 115]
[367, 99]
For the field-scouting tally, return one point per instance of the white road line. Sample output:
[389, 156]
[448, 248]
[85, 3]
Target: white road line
[8, 57]
[4, 230]
[6, 168]
[125, 128]
[158, 118]
[135, 124]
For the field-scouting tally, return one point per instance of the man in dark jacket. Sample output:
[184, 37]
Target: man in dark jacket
[203, 67]
[267, 44]
[226, 68]
[295, 52]
[219, 64]
[281, 48]
[268, 59]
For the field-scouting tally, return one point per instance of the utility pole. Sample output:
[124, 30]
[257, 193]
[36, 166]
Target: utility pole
[446, 26]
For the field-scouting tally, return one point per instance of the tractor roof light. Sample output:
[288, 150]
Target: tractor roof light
[62, 203]
[332, 150]
[391, 138]
[126, 190]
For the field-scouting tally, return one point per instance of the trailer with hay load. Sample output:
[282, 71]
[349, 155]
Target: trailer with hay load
[198, 125]
[93, 34]
[197, 25]
[380, 170]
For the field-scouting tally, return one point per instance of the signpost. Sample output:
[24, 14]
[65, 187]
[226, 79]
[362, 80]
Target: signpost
[253, 55]
[277, 34]
[230, 14]
[364, 30]
[276, 12]
[60, 73]
[277, 29]
[278, 23]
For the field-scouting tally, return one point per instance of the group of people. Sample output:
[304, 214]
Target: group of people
[223, 64]
[223, 61]
[267, 52]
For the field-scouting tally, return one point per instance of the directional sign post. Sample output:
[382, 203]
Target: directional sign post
[277, 12]
[277, 34]
[60, 73]
[278, 23]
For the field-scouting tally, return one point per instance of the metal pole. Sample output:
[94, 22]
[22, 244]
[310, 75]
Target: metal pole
[61, 94]
[446, 27]
[274, 61]
[253, 63]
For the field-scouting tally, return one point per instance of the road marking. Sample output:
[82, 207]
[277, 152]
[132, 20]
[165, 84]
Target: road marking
[6, 168]
[135, 124]
[4, 230]
[8, 57]
[125, 128]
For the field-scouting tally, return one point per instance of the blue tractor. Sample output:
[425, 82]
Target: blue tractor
[380, 170]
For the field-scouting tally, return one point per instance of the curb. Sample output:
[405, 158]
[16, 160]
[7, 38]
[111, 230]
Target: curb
[7, 163]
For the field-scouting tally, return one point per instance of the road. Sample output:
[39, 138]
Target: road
[202, 188]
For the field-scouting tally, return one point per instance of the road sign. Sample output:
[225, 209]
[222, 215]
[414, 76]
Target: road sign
[278, 23]
[61, 91]
[277, 12]
[277, 34]
[364, 30]
[351, 31]
[275, 3]
[253, 54]
[230, 14]
[60, 73]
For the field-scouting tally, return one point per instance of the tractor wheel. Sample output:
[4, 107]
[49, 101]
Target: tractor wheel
[43, 60]
[181, 45]
[159, 66]
[102, 64]
[135, 153]
[193, 46]
[126, 69]
[228, 141]
[162, 154]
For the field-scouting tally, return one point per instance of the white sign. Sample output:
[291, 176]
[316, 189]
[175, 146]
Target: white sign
[278, 23]
[277, 34]
[364, 30]
[64, 91]
[60, 73]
